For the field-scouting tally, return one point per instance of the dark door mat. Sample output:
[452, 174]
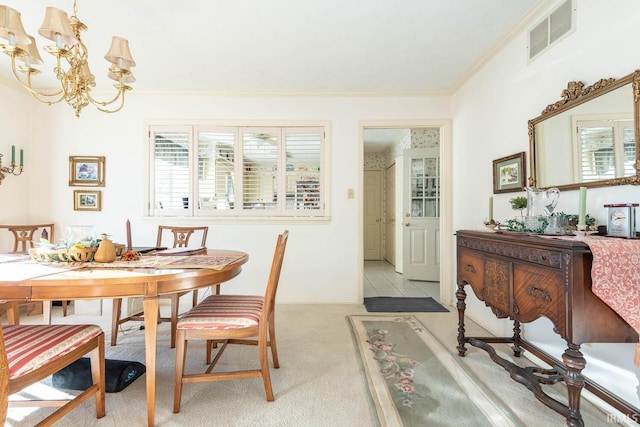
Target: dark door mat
[403, 304]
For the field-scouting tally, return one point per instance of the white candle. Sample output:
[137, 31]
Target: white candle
[583, 207]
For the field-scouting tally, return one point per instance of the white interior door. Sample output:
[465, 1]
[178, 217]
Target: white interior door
[421, 203]
[372, 214]
[390, 215]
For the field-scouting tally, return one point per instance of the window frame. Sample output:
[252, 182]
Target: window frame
[193, 129]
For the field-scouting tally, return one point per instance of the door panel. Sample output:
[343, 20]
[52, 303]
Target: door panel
[372, 200]
[421, 202]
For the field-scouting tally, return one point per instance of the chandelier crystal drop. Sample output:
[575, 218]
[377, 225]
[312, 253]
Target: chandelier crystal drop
[72, 67]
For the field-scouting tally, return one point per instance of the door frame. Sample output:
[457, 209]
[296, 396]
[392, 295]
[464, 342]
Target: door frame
[447, 254]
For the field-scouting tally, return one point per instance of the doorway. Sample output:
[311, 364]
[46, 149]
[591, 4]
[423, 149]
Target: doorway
[383, 148]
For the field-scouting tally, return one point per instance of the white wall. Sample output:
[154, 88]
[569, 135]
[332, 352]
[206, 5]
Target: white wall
[323, 258]
[490, 115]
[15, 122]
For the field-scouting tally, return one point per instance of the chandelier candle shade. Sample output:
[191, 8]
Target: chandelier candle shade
[12, 169]
[72, 69]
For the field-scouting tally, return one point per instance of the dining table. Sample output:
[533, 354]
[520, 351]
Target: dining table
[149, 277]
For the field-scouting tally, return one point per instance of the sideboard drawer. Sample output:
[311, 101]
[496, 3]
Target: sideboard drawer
[470, 268]
[539, 292]
[489, 279]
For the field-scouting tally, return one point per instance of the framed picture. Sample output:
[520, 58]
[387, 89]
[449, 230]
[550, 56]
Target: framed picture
[84, 200]
[509, 173]
[86, 171]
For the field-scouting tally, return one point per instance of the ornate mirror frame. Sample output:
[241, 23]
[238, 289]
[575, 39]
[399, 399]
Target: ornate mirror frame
[576, 94]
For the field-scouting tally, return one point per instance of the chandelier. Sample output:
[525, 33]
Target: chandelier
[72, 69]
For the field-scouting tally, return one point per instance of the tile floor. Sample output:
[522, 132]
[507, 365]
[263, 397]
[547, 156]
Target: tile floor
[381, 279]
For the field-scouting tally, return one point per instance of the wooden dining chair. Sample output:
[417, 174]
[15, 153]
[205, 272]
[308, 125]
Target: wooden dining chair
[23, 238]
[31, 353]
[24, 235]
[232, 319]
[181, 238]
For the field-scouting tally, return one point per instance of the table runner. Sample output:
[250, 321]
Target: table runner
[215, 262]
[615, 277]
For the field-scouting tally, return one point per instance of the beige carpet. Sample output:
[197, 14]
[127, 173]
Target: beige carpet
[319, 382]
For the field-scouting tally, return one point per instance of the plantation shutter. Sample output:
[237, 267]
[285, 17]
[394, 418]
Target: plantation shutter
[303, 152]
[607, 149]
[260, 154]
[216, 163]
[629, 148]
[597, 157]
[171, 183]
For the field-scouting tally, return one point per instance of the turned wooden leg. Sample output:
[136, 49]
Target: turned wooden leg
[461, 295]
[575, 363]
[517, 350]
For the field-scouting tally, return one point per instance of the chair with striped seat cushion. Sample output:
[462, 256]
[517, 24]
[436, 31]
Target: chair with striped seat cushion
[30, 353]
[232, 319]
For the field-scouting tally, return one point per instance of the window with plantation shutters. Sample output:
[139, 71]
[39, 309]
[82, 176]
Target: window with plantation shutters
[247, 171]
[605, 149]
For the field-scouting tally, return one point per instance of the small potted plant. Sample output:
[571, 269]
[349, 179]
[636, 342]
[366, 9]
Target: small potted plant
[519, 203]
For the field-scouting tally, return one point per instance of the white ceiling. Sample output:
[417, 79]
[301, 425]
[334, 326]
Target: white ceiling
[288, 46]
[378, 140]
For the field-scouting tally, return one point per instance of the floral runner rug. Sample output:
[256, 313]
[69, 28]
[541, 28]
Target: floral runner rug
[413, 380]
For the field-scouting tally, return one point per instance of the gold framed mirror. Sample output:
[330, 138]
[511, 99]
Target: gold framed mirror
[589, 138]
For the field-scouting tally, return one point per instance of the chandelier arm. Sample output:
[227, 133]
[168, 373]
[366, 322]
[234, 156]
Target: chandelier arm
[96, 102]
[28, 86]
[100, 105]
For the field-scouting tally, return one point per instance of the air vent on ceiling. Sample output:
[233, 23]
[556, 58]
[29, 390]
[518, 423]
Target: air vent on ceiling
[552, 28]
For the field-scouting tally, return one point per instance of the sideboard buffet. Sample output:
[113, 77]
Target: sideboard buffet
[525, 277]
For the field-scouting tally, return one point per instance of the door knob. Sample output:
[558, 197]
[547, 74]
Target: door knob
[406, 224]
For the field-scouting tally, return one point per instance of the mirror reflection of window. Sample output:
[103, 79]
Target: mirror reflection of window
[603, 149]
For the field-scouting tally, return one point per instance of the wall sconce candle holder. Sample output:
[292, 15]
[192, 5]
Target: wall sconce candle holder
[14, 169]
